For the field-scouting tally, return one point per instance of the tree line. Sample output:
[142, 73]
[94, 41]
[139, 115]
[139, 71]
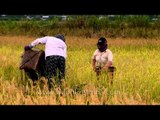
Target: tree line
[145, 26]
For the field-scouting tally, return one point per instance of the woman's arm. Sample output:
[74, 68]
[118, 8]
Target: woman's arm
[110, 61]
[39, 41]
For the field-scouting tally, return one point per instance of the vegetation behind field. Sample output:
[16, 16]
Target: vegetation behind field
[132, 26]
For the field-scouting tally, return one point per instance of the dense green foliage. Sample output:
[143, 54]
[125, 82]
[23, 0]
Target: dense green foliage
[143, 26]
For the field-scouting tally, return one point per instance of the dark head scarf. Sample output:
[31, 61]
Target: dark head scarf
[102, 44]
[60, 36]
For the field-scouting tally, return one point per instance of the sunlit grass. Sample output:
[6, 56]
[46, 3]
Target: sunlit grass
[136, 79]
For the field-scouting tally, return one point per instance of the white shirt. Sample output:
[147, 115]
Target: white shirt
[53, 46]
[102, 57]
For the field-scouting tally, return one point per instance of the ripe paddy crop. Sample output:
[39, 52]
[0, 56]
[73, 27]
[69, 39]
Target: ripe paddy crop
[136, 80]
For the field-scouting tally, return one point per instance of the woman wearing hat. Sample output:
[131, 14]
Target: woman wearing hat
[102, 60]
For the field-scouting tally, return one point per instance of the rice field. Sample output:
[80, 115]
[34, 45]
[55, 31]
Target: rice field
[136, 80]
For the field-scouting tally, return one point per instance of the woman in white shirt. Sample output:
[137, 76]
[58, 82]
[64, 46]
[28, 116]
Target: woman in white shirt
[55, 56]
[102, 59]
